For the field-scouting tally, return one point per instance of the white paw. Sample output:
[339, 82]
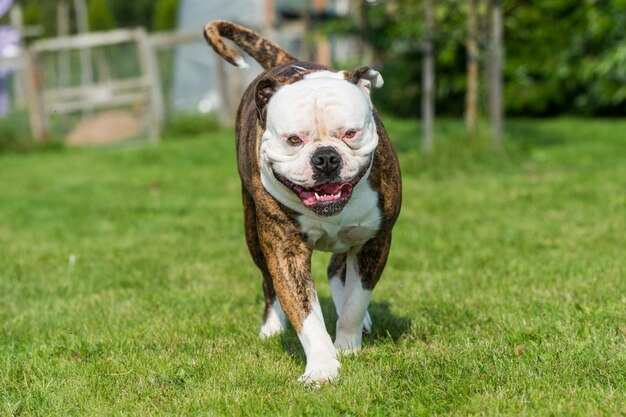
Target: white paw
[275, 322]
[367, 323]
[320, 371]
[346, 344]
[271, 328]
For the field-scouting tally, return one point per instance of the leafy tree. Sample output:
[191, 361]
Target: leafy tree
[33, 14]
[100, 16]
[133, 13]
[561, 56]
[165, 13]
[394, 29]
[566, 57]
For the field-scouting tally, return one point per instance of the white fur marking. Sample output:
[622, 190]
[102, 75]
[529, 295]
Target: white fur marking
[336, 287]
[241, 63]
[375, 77]
[274, 322]
[321, 358]
[367, 323]
[352, 227]
[353, 313]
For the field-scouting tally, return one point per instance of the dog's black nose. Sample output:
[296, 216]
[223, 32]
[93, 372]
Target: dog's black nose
[326, 160]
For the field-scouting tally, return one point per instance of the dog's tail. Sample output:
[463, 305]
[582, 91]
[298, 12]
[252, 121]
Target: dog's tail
[265, 52]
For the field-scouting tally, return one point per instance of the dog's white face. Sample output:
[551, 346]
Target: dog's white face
[319, 141]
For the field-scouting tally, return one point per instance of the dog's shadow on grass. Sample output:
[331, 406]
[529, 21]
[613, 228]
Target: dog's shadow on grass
[387, 327]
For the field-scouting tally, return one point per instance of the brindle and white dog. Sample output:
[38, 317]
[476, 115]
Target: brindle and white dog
[317, 172]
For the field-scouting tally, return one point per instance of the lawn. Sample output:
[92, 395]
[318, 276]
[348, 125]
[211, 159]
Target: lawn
[126, 287]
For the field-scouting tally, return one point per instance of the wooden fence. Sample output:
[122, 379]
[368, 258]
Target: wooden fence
[141, 90]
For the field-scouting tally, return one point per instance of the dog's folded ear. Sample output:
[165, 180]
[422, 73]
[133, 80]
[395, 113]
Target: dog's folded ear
[365, 78]
[264, 91]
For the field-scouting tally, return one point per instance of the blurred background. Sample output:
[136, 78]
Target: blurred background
[92, 71]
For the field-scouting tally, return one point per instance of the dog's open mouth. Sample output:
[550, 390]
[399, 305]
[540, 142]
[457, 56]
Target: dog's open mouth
[324, 199]
[325, 193]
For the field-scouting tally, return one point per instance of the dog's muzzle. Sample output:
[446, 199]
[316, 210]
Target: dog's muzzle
[326, 198]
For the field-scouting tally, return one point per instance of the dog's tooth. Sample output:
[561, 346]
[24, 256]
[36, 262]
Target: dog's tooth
[317, 196]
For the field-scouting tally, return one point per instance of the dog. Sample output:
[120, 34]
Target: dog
[317, 172]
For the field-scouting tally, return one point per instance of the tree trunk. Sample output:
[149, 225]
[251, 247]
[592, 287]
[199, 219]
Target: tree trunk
[494, 72]
[471, 102]
[428, 78]
[367, 52]
[322, 45]
[269, 10]
[63, 29]
[86, 72]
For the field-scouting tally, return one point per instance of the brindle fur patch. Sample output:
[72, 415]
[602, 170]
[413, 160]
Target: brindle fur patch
[280, 246]
[265, 52]
[356, 75]
[337, 266]
[385, 179]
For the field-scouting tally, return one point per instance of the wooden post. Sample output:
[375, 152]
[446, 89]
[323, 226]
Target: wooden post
[16, 18]
[471, 98]
[319, 5]
[150, 71]
[494, 65]
[17, 22]
[235, 88]
[366, 50]
[428, 79]
[63, 29]
[269, 10]
[36, 111]
[225, 115]
[86, 74]
[323, 52]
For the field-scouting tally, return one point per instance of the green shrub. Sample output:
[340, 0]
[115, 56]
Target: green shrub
[165, 13]
[100, 15]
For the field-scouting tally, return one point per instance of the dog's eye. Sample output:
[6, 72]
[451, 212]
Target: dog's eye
[294, 140]
[349, 134]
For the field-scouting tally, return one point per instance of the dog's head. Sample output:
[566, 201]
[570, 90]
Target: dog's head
[319, 138]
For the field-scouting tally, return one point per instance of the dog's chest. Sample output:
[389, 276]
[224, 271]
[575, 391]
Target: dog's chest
[357, 223]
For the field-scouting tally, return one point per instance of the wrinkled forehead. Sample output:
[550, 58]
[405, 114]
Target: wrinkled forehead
[319, 100]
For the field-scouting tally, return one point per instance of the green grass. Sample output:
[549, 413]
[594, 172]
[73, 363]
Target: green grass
[505, 292]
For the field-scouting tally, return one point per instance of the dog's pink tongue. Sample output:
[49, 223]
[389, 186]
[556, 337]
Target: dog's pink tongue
[307, 197]
[326, 190]
[330, 189]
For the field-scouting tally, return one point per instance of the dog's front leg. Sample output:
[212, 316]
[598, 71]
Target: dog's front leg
[353, 309]
[288, 258]
[337, 270]
[363, 268]
[321, 358]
